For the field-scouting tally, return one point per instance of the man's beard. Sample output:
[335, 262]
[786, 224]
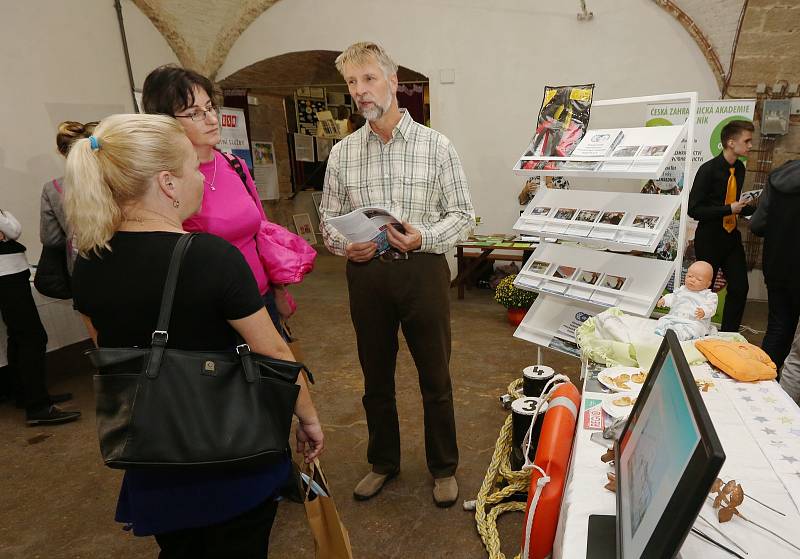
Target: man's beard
[376, 111]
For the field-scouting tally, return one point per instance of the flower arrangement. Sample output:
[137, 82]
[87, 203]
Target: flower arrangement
[512, 297]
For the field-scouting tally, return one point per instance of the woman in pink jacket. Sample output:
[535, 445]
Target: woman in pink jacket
[231, 207]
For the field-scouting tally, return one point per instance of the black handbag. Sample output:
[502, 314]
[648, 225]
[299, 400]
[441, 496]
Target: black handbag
[52, 277]
[176, 409]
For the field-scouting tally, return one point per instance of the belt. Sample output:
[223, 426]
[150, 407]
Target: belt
[392, 256]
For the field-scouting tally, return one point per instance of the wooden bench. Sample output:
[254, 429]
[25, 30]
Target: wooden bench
[469, 261]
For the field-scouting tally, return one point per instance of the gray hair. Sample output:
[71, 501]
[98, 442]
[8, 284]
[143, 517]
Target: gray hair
[363, 53]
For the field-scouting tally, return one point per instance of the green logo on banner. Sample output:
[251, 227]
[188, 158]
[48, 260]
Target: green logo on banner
[715, 142]
[658, 122]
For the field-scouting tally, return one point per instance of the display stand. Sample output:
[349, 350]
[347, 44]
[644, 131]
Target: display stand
[577, 215]
[548, 269]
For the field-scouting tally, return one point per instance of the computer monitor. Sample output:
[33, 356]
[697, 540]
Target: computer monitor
[666, 460]
[668, 456]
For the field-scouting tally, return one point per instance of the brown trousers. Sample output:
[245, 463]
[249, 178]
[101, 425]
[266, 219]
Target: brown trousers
[412, 294]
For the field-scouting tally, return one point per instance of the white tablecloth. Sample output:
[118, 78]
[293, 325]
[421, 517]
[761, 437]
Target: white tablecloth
[759, 427]
[64, 326]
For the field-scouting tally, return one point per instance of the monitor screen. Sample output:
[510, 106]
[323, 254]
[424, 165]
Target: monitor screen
[667, 458]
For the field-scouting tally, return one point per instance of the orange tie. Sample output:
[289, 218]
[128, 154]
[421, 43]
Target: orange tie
[729, 221]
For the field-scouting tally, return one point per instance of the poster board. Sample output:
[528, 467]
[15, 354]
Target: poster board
[265, 170]
[304, 147]
[233, 135]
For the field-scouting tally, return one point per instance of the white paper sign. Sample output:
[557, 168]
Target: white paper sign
[234, 134]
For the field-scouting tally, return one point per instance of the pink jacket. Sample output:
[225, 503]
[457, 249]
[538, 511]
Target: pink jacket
[276, 255]
[286, 257]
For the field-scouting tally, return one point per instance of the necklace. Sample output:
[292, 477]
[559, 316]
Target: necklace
[213, 177]
[161, 219]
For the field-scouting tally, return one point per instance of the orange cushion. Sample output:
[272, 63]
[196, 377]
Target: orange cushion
[742, 361]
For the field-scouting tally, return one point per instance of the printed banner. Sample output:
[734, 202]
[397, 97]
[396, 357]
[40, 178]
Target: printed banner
[712, 116]
[234, 135]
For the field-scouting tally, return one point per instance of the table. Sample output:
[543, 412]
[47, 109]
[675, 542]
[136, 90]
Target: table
[63, 324]
[759, 427]
[469, 262]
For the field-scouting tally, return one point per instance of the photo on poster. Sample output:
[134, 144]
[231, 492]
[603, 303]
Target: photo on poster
[641, 221]
[538, 267]
[609, 281]
[302, 223]
[626, 151]
[607, 218]
[653, 151]
[561, 216]
[582, 223]
[565, 213]
[645, 221]
[560, 272]
[581, 165]
[540, 211]
[588, 279]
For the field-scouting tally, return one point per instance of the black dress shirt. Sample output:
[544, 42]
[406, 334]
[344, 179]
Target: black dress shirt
[707, 198]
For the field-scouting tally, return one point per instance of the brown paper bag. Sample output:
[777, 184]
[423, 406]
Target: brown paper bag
[331, 540]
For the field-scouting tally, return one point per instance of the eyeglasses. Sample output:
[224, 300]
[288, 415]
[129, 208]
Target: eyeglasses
[200, 114]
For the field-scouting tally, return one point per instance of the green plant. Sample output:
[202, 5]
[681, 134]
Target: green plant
[512, 297]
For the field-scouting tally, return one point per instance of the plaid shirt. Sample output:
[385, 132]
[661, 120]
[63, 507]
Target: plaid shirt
[416, 176]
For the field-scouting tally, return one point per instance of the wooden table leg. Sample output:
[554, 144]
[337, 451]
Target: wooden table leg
[465, 270]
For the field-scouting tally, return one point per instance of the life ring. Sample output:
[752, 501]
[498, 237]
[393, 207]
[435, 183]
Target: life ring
[550, 472]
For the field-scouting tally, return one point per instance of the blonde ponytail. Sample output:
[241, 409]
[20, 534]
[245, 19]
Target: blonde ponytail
[130, 151]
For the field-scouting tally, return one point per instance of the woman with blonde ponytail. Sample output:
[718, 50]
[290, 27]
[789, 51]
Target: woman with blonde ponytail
[133, 183]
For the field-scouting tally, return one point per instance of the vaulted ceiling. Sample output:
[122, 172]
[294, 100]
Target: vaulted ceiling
[202, 34]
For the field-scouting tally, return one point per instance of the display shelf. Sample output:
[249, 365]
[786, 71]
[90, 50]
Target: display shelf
[551, 322]
[604, 279]
[644, 167]
[634, 214]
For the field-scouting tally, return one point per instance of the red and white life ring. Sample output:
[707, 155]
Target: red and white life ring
[550, 472]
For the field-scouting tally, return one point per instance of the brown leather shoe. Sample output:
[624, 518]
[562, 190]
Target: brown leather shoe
[371, 485]
[445, 491]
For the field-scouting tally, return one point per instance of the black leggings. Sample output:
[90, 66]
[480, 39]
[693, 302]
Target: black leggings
[243, 537]
[27, 341]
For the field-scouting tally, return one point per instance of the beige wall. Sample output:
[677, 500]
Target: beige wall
[503, 54]
[61, 61]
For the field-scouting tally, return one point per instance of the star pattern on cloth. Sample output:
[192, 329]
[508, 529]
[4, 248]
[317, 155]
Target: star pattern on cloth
[741, 389]
[745, 398]
[777, 444]
[764, 390]
[769, 431]
[760, 419]
[770, 400]
[786, 420]
[797, 474]
[790, 459]
[780, 410]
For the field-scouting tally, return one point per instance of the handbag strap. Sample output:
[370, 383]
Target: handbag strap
[158, 342]
[236, 165]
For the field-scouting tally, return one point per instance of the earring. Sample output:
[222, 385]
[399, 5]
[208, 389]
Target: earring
[176, 203]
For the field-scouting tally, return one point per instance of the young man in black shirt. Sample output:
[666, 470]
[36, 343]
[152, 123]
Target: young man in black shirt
[714, 202]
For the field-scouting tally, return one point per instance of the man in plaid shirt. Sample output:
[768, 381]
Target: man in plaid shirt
[413, 172]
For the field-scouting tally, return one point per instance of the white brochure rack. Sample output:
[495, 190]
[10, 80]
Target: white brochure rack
[592, 285]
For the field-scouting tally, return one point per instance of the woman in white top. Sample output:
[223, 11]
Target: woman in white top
[27, 338]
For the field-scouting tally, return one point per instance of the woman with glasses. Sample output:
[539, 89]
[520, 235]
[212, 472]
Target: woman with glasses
[133, 183]
[231, 209]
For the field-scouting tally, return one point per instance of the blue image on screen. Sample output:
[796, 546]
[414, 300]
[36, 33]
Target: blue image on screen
[662, 440]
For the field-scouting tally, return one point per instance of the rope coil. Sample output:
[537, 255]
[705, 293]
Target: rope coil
[501, 482]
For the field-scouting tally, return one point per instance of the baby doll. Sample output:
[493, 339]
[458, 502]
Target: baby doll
[691, 306]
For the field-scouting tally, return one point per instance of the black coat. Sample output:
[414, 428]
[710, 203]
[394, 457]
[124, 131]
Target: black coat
[777, 219]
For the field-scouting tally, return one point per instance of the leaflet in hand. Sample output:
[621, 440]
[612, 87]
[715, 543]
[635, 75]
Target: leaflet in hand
[365, 225]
